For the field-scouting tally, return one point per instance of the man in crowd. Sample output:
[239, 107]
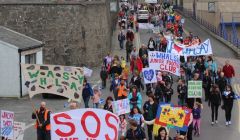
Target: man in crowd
[229, 72]
[42, 125]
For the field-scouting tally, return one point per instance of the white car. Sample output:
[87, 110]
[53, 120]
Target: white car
[143, 15]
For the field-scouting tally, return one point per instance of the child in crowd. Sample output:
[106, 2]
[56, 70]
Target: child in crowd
[122, 125]
[197, 118]
[96, 97]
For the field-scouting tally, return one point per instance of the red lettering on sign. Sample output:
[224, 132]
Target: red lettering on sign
[69, 124]
[68, 138]
[84, 117]
[111, 126]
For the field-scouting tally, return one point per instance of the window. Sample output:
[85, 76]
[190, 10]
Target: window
[30, 58]
[211, 7]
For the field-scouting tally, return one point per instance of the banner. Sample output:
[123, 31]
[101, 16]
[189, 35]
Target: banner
[194, 89]
[7, 119]
[149, 75]
[164, 62]
[173, 117]
[60, 80]
[204, 48]
[19, 128]
[121, 107]
[84, 124]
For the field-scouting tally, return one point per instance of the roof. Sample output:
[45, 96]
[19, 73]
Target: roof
[21, 41]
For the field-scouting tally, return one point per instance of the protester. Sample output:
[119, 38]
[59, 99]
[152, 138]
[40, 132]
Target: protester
[222, 83]
[42, 124]
[121, 39]
[151, 44]
[135, 98]
[136, 80]
[229, 72]
[228, 103]
[196, 118]
[182, 92]
[108, 104]
[129, 49]
[135, 132]
[136, 115]
[150, 111]
[122, 125]
[87, 92]
[163, 134]
[214, 102]
[114, 84]
[168, 92]
[207, 82]
[103, 76]
[96, 97]
[122, 90]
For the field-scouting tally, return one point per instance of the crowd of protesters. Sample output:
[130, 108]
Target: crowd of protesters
[123, 74]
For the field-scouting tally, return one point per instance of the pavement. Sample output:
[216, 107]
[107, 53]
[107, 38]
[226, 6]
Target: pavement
[22, 107]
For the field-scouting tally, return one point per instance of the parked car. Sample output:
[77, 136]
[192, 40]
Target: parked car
[142, 15]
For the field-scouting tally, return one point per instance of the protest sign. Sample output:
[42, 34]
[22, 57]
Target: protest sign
[7, 119]
[149, 75]
[194, 89]
[87, 72]
[19, 128]
[60, 80]
[121, 106]
[204, 48]
[83, 124]
[164, 62]
[173, 117]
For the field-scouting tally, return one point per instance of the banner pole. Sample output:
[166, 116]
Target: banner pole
[35, 111]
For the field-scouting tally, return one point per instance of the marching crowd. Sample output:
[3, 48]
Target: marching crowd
[123, 74]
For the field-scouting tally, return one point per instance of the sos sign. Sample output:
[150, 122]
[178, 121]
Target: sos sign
[84, 124]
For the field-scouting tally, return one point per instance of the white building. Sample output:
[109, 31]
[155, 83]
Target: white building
[16, 48]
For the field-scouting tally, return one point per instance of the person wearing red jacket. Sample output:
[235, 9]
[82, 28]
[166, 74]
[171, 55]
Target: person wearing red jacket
[130, 35]
[136, 64]
[228, 71]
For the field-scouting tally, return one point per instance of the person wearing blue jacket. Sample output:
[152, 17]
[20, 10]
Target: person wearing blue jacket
[87, 92]
[135, 98]
[211, 64]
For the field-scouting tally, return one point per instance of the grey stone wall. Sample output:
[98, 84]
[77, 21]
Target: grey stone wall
[73, 34]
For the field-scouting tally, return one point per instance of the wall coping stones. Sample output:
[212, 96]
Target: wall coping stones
[52, 2]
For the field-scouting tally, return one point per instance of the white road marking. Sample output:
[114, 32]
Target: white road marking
[28, 126]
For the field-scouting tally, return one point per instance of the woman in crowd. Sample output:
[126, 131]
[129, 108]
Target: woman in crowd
[135, 98]
[136, 115]
[108, 104]
[214, 102]
[228, 103]
[207, 82]
[163, 134]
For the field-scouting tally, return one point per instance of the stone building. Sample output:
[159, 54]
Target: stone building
[74, 32]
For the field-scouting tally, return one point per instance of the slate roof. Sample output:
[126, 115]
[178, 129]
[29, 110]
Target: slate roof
[19, 40]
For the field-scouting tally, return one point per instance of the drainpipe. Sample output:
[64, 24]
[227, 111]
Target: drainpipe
[20, 73]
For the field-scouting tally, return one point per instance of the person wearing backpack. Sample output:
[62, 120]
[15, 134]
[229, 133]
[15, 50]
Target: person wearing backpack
[121, 39]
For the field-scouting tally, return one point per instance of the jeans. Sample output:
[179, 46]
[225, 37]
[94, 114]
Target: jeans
[103, 83]
[95, 105]
[86, 101]
[229, 81]
[207, 93]
[228, 111]
[214, 108]
[150, 131]
[127, 56]
[43, 134]
[196, 125]
[121, 44]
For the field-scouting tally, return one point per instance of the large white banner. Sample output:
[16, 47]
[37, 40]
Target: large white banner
[164, 62]
[60, 80]
[149, 75]
[204, 48]
[6, 124]
[84, 124]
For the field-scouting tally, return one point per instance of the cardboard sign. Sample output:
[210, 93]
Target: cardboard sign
[149, 75]
[194, 89]
[204, 48]
[84, 124]
[7, 122]
[19, 128]
[173, 117]
[164, 62]
[121, 106]
[60, 80]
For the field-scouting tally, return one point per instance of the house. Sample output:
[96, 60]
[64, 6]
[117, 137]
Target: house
[16, 48]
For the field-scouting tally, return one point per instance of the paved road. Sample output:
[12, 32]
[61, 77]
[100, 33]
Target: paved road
[22, 107]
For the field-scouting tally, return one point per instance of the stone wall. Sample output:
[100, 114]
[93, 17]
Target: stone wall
[74, 33]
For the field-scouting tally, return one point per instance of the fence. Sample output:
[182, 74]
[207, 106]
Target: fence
[219, 31]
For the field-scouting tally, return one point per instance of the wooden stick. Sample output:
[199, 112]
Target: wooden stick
[35, 111]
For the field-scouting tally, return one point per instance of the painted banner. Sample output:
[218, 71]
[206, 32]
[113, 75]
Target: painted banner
[149, 75]
[164, 62]
[121, 106]
[173, 117]
[7, 122]
[19, 128]
[60, 80]
[194, 89]
[84, 124]
[204, 48]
